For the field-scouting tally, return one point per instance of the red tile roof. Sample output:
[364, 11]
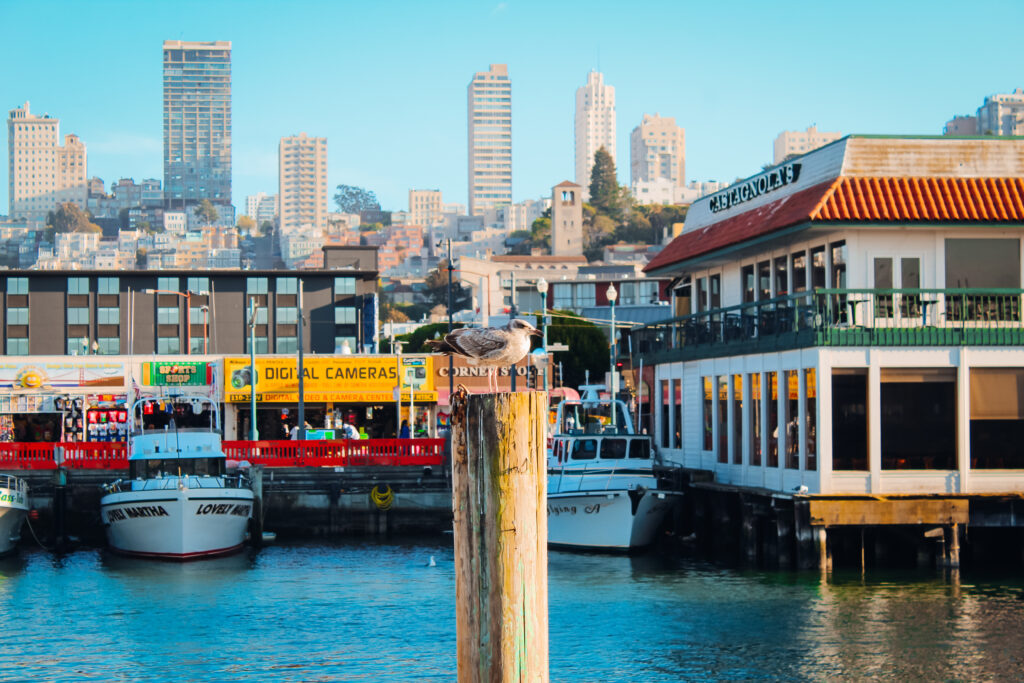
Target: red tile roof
[856, 199]
[783, 213]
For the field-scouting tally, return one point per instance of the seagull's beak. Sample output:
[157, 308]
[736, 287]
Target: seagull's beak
[536, 332]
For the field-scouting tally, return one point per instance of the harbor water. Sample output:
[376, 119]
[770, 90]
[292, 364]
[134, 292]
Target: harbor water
[382, 611]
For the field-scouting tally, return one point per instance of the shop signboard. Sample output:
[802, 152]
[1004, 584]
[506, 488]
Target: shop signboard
[474, 377]
[344, 379]
[59, 374]
[177, 374]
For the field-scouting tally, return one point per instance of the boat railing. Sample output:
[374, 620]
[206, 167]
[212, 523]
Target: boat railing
[13, 483]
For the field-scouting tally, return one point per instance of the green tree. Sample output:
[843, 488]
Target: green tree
[245, 223]
[413, 342]
[588, 348]
[352, 199]
[603, 182]
[435, 292]
[390, 313]
[124, 218]
[540, 233]
[267, 228]
[206, 212]
[140, 257]
[69, 218]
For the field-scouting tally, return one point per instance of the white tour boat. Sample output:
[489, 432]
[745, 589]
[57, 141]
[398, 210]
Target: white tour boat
[13, 510]
[602, 488]
[178, 502]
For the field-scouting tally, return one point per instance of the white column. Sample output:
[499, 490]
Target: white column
[963, 420]
[874, 421]
[801, 383]
[824, 423]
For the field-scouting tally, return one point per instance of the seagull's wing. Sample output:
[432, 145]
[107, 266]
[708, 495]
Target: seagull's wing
[477, 342]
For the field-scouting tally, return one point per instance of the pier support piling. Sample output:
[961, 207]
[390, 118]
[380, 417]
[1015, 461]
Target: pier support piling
[499, 501]
[954, 546]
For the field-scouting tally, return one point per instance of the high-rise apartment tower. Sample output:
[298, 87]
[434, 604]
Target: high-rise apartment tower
[657, 149]
[42, 173]
[197, 122]
[790, 143]
[302, 182]
[595, 125]
[490, 140]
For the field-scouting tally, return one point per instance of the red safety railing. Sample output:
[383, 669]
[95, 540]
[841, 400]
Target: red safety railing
[344, 453]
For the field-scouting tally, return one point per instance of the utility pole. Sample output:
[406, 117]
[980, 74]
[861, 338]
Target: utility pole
[511, 317]
[302, 394]
[451, 359]
[253, 434]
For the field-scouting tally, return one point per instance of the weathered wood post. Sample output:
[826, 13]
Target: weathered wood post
[499, 500]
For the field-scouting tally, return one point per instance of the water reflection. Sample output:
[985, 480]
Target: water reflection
[380, 611]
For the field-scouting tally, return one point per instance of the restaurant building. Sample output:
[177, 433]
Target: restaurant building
[848, 323]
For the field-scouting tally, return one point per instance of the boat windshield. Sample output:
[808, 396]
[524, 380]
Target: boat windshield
[172, 467]
[172, 415]
[592, 418]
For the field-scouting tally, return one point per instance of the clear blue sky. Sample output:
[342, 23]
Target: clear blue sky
[386, 82]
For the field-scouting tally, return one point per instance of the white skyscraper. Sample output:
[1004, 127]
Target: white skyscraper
[595, 126]
[302, 182]
[490, 140]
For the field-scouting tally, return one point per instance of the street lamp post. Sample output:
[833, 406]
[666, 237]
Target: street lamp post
[253, 434]
[612, 296]
[542, 287]
[206, 328]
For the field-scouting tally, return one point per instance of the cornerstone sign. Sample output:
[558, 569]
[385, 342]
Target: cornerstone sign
[772, 180]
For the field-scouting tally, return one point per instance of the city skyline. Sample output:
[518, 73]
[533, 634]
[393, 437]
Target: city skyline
[101, 77]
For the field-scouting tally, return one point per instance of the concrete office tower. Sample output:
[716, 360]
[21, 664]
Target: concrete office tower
[567, 219]
[791, 143]
[595, 126]
[426, 208]
[657, 149]
[197, 122]
[42, 173]
[302, 182]
[490, 140]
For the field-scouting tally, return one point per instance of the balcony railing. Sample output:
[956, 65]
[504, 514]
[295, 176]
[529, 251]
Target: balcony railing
[840, 317]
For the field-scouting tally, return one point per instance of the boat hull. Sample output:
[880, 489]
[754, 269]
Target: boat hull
[13, 510]
[177, 524]
[619, 519]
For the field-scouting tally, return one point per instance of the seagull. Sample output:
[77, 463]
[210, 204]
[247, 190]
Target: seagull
[493, 347]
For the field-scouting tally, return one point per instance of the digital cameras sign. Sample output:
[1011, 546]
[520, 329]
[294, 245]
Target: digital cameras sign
[243, 377]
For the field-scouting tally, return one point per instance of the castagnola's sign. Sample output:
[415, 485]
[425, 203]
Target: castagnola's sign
[769, 181]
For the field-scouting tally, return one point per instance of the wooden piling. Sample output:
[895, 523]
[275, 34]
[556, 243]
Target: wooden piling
[499, 501]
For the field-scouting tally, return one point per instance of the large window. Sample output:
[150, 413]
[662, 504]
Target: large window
[287, 345]
[344, 315]
[17, 346]
[791, 402]
[849, 419]
[764, 280]
[736, 443]
[261, 345]
[918, 407]
[747, 283]
[586, 295]
[773, 419]
[983, 263]
[255, 285]
[17, 285]
[287, 285]
[168, 345]
[755, 418]
[167, 315]
[107, 285]
[677, 409]
[17, 316]
[666, 409]
[781, 276]
[708, 409]
[168, 284]
[108, 346]
[799, 271]
[78, 316]
[811, 380]
[287, 315]
[345, 345]
[561, 296]
[344, 286]
[723, 418]
[78, 285]
[997, 418]
[198, 284]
